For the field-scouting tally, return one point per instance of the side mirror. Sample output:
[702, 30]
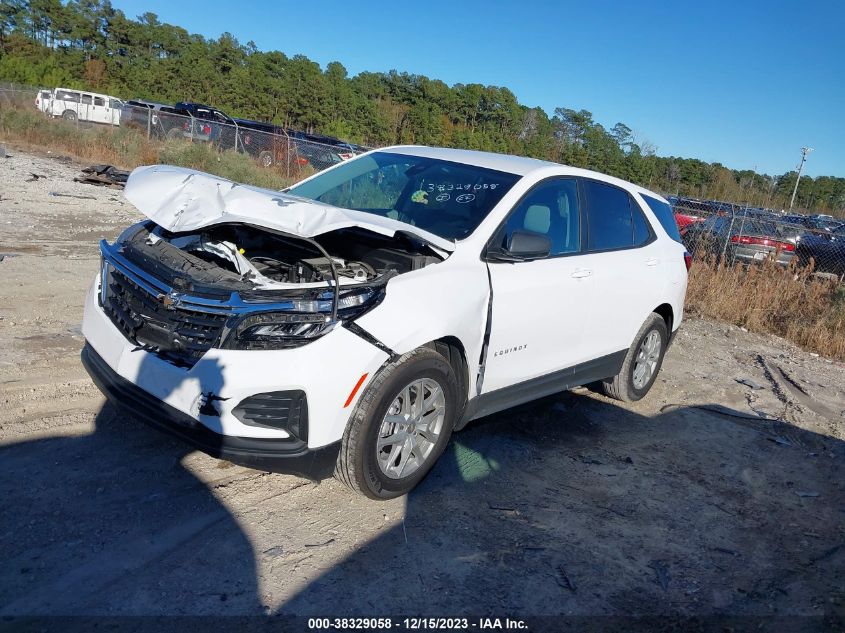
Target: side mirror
[525, 245]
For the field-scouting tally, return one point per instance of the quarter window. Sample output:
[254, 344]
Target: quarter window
[663, 212]
[98, 101]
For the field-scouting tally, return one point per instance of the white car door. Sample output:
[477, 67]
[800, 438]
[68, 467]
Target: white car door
[115, 106]
[86, 103]
[626, 260]
[100, 113]
[539, 307]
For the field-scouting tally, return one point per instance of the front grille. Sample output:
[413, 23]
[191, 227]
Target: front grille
[176, 334]
[287, 410]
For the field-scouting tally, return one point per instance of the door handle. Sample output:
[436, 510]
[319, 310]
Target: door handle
[652, 261]
[580, 273]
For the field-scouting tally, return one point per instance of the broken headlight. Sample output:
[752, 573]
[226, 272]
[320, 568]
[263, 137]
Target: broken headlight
[311, 320]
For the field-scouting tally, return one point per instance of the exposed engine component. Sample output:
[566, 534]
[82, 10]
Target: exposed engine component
[238, 257]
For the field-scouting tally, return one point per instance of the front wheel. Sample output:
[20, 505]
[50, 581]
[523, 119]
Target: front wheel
[642, 362]
[265, 159]
[400, 427]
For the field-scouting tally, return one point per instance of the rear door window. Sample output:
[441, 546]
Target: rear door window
[86, 99]
[609, 223]
[663, 212]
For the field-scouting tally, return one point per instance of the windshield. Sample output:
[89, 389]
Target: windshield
[445, 198]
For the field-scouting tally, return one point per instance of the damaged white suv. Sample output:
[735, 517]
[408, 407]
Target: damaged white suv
[350, 323]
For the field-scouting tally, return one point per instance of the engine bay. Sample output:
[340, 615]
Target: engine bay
[229, 257]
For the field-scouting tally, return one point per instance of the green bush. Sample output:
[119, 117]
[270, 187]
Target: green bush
[228, 164]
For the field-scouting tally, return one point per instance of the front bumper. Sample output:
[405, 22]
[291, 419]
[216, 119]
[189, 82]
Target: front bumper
[287, 455]
[211, 391]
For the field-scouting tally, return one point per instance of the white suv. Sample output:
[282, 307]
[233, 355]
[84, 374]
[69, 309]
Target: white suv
[349, 324]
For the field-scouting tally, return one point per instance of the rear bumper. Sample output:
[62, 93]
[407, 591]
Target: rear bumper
[748, 255]
[273, 454]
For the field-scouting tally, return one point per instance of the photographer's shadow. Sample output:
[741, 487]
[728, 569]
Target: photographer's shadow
[112, 522]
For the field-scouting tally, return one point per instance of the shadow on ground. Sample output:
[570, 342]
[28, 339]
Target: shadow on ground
[574, 505]
[571, 505]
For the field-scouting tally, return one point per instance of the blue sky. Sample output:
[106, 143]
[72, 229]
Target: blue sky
[743, 83]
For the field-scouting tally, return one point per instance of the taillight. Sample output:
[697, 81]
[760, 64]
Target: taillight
[302, 161]
[763, 241]
[206, 129]
[688, 260]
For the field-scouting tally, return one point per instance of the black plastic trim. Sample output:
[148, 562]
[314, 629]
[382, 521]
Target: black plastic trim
[520, 393]
[357, 330]
[284, 456]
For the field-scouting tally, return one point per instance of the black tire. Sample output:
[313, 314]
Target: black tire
[265, 159]
[357, 464]
[621, 386]
[69, 115]
[174, 133]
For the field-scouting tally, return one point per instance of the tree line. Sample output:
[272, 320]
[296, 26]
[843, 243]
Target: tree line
[89, 44]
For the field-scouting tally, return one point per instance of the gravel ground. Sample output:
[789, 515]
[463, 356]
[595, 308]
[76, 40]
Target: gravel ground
[709, 497]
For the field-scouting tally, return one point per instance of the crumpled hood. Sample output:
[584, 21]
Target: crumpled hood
[179, 199]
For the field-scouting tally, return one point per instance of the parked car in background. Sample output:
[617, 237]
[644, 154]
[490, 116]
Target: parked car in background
[683, 220]
[79, 105]
[351, 323]
[813, 222]
[734, 238]
[208, 124]
[827, 250]
[268, 143]
[158, 118]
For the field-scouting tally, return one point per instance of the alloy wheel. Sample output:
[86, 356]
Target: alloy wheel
[647, 357]
[410, 428]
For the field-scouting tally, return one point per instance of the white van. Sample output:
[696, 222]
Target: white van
[73, 105]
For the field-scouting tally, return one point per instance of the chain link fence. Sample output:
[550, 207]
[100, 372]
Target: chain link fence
[735, 234]
[295, 154]
[726, 232]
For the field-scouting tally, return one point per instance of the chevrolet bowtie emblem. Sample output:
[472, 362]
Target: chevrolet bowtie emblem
[170, 301]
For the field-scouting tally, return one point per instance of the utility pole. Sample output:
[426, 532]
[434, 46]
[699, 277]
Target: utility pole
[804, 152]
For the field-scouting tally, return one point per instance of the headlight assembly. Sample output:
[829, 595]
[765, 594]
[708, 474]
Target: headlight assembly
[308, 320]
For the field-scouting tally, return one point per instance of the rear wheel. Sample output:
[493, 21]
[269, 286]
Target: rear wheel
[174, 133]
[69, 115]
[642, 362]
[400, 427]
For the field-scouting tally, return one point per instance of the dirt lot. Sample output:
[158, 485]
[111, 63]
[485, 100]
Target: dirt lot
[709, 497]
